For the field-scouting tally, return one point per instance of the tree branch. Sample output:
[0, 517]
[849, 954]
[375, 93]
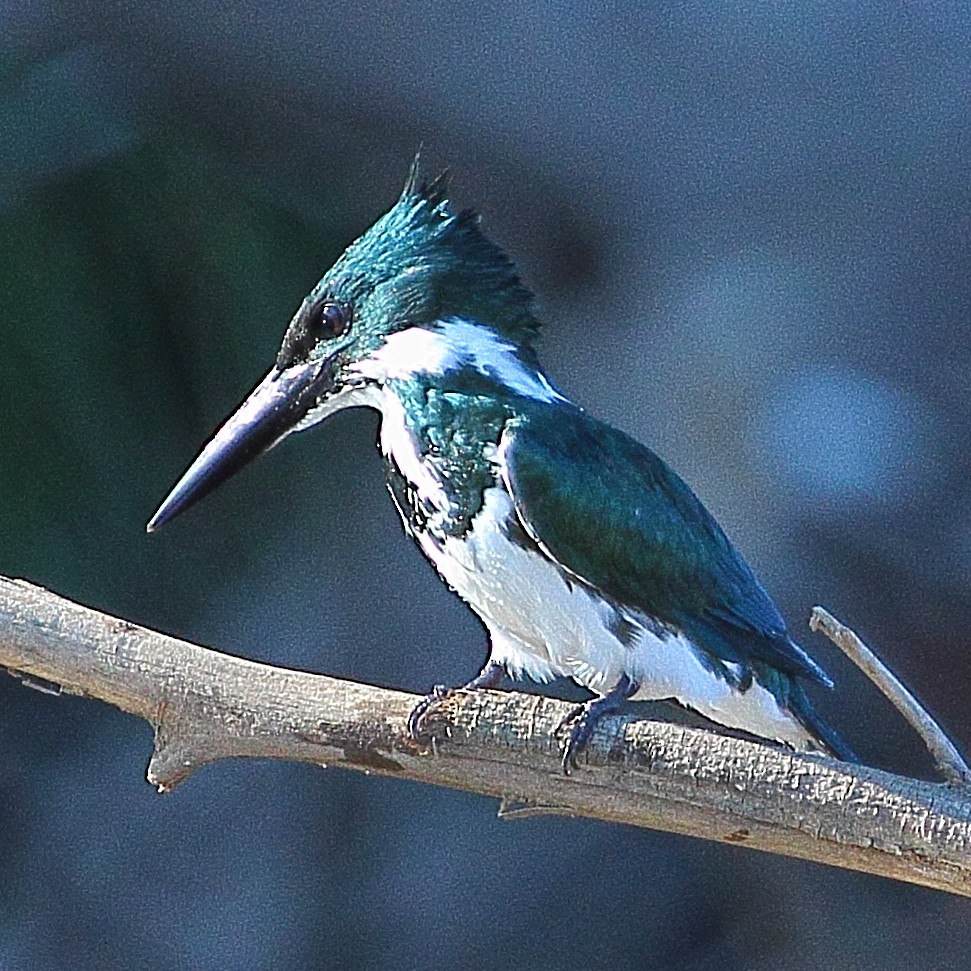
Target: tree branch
[206, 706]
[942, 749]
[946, 756]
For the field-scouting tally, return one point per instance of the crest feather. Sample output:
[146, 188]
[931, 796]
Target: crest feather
[436, 262]
[434, 192]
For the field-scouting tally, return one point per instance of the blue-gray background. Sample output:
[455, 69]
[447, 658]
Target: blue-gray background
[748, 228]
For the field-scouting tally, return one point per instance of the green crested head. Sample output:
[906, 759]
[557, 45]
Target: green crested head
[401, 300]
[421, 262]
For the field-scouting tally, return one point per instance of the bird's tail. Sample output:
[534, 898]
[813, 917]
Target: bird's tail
[828, 739]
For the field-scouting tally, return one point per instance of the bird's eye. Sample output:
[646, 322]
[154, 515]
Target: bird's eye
[331, 320]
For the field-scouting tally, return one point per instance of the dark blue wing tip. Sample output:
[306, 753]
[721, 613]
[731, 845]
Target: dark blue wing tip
[812, 668]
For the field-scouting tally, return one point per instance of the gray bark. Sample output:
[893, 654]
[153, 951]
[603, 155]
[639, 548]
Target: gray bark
[206, 705]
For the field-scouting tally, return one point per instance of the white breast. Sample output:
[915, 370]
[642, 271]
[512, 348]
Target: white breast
[544, 624]
[541, 623]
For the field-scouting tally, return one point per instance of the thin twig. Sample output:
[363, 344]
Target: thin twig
[945, 754]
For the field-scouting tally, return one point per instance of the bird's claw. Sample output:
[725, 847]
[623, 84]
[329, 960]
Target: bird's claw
[490, 676]
[581, 722]
[577, 726]
[420, 712]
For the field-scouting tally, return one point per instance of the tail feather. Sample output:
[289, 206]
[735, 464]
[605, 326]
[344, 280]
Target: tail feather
[825, 735]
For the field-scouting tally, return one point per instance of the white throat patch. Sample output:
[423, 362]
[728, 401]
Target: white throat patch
[448, 345]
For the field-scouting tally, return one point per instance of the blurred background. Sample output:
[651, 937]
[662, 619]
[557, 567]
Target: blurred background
[748, 227]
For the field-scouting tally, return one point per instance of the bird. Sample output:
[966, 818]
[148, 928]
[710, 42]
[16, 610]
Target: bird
[583, 553]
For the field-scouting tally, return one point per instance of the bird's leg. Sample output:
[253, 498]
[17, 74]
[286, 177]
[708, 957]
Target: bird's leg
[584, 719]
[490, 676]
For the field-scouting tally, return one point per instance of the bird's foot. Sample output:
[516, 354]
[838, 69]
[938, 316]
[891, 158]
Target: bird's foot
[420, 712]
[579, 724]
[489, 677]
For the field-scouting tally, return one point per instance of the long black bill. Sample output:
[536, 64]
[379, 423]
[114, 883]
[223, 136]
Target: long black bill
[273, 409]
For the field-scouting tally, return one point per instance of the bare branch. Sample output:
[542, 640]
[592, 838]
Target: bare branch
[942, 749]
[206, 706]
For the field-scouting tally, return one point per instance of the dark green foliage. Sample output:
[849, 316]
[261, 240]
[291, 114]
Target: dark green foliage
[138, 290]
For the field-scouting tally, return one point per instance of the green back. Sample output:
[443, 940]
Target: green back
[618, 518]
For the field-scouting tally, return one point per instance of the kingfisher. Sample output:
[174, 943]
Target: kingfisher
[583, 553]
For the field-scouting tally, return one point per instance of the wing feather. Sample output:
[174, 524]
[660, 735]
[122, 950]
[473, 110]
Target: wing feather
[616, 516]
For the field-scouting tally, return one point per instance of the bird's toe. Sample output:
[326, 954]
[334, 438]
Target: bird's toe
[421, 711]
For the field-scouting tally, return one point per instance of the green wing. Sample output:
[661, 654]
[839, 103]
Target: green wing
[614, 515]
